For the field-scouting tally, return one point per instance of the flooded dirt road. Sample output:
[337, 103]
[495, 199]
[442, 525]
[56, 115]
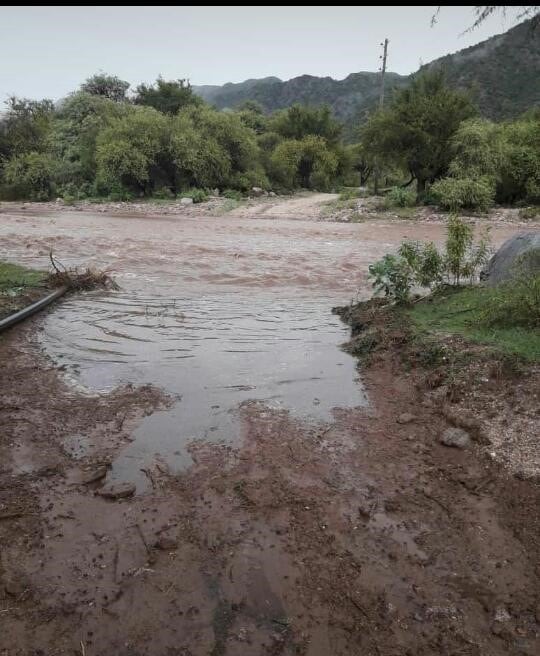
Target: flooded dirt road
[278, 508]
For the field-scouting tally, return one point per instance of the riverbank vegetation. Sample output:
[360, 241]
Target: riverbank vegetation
[162, 141]
[436, 292]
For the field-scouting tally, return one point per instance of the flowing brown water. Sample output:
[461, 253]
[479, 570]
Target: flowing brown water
[216, 311]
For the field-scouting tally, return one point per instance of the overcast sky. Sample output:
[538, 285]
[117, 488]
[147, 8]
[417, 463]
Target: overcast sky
[49, 51]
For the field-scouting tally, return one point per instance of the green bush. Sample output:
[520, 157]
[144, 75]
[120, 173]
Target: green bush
[425, 261]
[233, 194]
[463, 258]
[163, 193]
[400, 197]
[463, 193]
[422, 265]
[198, 195]
[515, 303]
[394, 276]
[33, 175]
[117, 194]
[529, 213]
[350, 193]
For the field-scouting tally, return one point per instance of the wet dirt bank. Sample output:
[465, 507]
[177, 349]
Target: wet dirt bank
[366, 536]
[337, 533]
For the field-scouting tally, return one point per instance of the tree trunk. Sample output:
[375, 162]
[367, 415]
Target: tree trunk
[404, 186]
[420, 187]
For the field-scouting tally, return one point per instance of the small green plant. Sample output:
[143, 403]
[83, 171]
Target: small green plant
[463, 258]
[198, 195]
[349, 193]
[120, 194]
[515, 303]
[463, 193]
[425, 261]
[233, 194]
[421, 265]
[394, 276]
[529, 213]
[163, 193]
[400, 197]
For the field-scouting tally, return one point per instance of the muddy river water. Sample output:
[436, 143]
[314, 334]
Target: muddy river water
[216, 311]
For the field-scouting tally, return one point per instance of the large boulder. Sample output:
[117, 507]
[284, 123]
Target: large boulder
[518, 255]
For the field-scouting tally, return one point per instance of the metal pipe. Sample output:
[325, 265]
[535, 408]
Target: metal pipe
[29, 310]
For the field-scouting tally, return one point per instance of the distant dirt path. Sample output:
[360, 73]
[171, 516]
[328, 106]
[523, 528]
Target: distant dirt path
[305, 206]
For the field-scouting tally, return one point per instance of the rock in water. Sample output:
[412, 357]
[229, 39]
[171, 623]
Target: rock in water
[94, 475]
[455, 437]
[518, 255]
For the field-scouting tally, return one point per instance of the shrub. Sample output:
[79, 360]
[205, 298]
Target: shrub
[464, 193]
[463, 257]
[350, 193]
[394, 276]
[198, 195]
[529, 213]
[33, 175]
[118, 193]
[232, 194]
[163, 193]
[515, 303]
[425, 261]
[422, 265]
[400, 197]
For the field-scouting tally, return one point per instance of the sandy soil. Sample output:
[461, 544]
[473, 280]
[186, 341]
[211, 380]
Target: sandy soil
[364, 537]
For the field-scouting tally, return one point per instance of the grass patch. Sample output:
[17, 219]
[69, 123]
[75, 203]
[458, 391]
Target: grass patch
[15, 279]
[462, 311]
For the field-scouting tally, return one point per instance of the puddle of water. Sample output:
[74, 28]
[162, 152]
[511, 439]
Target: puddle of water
[214, 351]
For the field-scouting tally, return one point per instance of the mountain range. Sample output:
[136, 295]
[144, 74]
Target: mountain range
[502, 75]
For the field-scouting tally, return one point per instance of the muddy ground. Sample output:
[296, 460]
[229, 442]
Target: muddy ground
[362, 537]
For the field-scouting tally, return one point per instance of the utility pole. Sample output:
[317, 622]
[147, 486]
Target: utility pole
[381, 103]
[383, 71]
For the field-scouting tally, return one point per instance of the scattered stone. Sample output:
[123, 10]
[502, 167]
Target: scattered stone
[186, 201]
[166, 543]
[15, 586]
[257, 191]
[406, 418]
[501, 615]
[365, 509]
[60, 201]
[455, 437]
[117, 490]
[94, 475]
[272, 194]
[461, 417]
[216, 192]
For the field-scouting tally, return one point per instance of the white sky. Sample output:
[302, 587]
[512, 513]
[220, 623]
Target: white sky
[49, 51]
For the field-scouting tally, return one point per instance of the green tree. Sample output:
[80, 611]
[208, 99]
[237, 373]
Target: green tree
[199, 159]
[416, 129]
[25, 126]
[167, 96]
[308, 163]
[361, 162]
[33, 175]
[79, 119]
[300, 121]
[107, 86]
[128, 151]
